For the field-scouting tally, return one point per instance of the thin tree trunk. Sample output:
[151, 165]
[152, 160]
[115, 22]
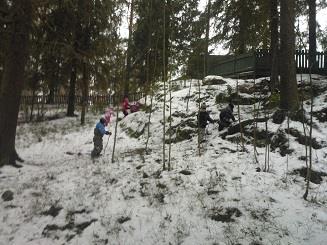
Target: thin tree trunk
[303, 123]
[149, 122]
[308, 177]
[32, 105]
[85, 92]
[13, 78]
[72, 86]
[164, 84]
[115, 138]
[265, 169]
[239, 115]
[188, 97]
[199, 105]
[149, 81]
[170, 133]
[256, 110]
[151, 100]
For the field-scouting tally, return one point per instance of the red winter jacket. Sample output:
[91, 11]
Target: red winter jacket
[125, 104]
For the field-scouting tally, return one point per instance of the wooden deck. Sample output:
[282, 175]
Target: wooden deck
[258, 64]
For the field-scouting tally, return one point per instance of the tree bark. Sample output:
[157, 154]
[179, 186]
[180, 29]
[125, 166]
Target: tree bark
[85, 91]
[289, 99]
[243, 27]
[164, 76]
[207, 39]
[13, 78]
[129, 57]
[274, 44]
[312, 35]
[72, 86]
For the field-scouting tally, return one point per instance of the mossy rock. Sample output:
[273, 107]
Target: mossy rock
[135, 134]
[181, 135]
[279, 116]
[222, 98]
[225, 214]
[134, 128]
[304, 140]
[321, 115]
[316, 176]
[260, 134]
[280, 141]
[213, 81]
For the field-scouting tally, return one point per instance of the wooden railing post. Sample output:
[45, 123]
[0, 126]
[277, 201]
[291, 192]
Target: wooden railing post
[325, 63]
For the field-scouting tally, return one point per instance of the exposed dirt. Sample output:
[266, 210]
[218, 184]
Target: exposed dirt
[225, 215]
[316, 177]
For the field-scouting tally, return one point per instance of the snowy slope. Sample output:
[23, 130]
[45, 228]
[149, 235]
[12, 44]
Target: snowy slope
[62, 197]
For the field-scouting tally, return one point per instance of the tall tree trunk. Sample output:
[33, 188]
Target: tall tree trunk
[274, 40]
[312, 35]
[243, 27]
[289, 99]
[129, 57]
[206, 51]
[164, 77]
[72, 86]
[86, 47]
[85, 91]
[168, 30]
[13, 78]
[115, 137]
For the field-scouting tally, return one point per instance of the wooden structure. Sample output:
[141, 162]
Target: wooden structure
[258, 64]
[63, 99]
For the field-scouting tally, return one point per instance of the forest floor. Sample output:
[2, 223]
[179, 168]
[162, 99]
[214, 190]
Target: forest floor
[222, 196]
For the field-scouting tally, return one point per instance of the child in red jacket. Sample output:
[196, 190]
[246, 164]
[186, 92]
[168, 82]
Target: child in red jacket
[125, 106]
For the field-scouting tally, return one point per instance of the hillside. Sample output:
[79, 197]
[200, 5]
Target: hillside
[222, 196]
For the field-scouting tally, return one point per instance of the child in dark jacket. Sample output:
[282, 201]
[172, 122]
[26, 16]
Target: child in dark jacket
[99, 131]
[203, 119]
[226, 115]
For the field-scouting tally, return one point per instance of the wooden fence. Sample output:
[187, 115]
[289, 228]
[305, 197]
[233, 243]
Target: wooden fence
[258, 63]
[63, 99]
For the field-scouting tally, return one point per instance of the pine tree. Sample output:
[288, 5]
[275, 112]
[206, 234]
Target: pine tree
[13, 77]
[241, 25]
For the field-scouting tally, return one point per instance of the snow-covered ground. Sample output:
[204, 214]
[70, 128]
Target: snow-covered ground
[62, 197]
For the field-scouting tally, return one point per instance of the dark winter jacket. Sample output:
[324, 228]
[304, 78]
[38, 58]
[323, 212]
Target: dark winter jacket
[226, 114]
[203, 118]
[99, 129]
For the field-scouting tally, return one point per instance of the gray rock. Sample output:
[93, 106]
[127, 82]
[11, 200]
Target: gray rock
[7, 196]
